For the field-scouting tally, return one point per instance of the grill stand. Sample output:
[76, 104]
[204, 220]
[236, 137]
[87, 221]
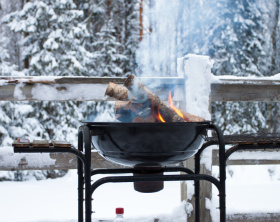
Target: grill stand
[83, 154]
[81, 165]
[84, 144]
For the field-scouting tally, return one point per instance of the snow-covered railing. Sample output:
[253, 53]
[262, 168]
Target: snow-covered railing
[194, 89]
[225, 88]
[54, 88]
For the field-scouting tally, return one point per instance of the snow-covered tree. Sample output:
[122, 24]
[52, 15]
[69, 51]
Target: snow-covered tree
[130, 35]
[107, 56]
[54, 37]
[237, 43]
[9, 42]
[114, 36]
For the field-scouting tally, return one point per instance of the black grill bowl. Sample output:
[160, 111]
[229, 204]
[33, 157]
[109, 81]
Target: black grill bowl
[147, 144]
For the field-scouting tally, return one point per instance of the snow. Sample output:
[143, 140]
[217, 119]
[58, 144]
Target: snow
[70, 92]
[11, 159]
[248, 78]
[56, 200]
[197, 71]
[250, 189]
[18, 92]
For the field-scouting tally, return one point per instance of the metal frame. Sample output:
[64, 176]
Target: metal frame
[86, 189]
[84, 144]
[81, 164]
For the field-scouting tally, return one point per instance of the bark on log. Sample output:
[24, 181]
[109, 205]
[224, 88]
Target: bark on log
[141, 111]
[127, 105]
[142, 93]
[192, 118]
[118, 92]
[138, 119]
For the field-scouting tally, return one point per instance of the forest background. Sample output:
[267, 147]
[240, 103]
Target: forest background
[120, 37]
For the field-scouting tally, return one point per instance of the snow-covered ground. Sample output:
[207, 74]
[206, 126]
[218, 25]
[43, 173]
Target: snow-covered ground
[250, 189]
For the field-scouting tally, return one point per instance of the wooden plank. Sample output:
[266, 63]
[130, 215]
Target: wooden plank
[261, 90]
[245, 89]
[249, 158]
[40, 143]
[20, 161]
[57, 143]
[16, 144]
[86, 80]
[254, 217]
[79, 89]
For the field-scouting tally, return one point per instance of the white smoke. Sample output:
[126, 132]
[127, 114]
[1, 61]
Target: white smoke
[172, 29]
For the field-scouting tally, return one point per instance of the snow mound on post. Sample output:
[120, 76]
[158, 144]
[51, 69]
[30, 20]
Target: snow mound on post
[197, 71]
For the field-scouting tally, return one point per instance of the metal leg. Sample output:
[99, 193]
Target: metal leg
[87, 173]
[222, 169]
[80, 180]
[197, 182]
[197, 189]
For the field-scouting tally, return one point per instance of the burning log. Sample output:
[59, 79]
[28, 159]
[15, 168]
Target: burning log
[136, 112]
[142, 93]
[191, 118]
[139, 104]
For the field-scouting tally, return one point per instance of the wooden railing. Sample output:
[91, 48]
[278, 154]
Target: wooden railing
[222, 88]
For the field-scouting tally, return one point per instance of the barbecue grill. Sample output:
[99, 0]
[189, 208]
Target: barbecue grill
[148, 144]
[147, 148]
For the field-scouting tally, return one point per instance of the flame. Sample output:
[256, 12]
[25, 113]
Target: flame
[157, 114]
[179, 112]
[160, 117]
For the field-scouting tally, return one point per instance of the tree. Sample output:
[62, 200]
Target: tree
[270, 110]
[131, 36]
[238, 47]
[107, 56]
[114, 36]
[54, 37]
[237, 43]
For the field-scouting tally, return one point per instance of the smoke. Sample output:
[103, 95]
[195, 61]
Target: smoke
[158, 45]
[173, 29]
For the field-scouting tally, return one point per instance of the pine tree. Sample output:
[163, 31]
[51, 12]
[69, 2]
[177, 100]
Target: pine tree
[271, 110]
[237, 46]
[9, 42]
[237, 43]
[54, 37]
[53, 41]
[107, 57]
[114, 27]
[130, 36]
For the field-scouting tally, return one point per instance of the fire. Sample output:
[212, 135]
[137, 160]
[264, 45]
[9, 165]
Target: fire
[179, 112]
[160, 117]
[157, 114]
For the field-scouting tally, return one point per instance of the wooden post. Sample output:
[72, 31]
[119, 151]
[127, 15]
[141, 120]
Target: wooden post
[196, 71]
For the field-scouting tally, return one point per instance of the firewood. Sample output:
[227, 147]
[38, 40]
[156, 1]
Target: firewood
[138, 119]
[142, 114]
[150, 119]
[127, 110]
[118, 92]
[127, 105]
[192, 118]
[142, 93]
